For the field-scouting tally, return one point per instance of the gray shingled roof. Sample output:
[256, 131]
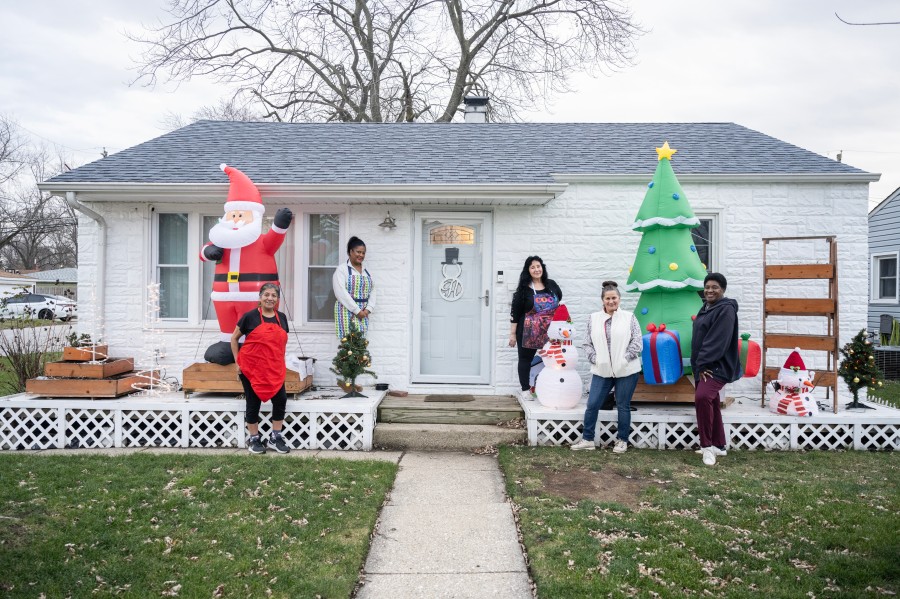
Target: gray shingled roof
[349, 153]
[63, 275]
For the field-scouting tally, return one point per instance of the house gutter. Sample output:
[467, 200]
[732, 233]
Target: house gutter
[101, 254]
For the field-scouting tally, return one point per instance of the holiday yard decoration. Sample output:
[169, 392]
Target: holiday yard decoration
[244, 257]
[858, 368]
[559, 384]
[661, 356]
[352, 359]
[750, 355]
[667, 270]
[791, 393]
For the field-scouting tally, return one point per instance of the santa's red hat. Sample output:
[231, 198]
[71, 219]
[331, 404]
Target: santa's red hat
[794, 361]
[242, 193]
[562, 313]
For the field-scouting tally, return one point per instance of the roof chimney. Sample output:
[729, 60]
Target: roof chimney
[476, 109]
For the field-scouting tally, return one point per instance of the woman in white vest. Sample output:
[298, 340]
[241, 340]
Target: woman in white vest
[613, 347]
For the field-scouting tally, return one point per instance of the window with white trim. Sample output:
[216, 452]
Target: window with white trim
[705, 241]
[324, 254]
[884, 278]
[172, 268]
[185, 281]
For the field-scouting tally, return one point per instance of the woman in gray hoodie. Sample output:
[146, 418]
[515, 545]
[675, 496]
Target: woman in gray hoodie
[715, 362]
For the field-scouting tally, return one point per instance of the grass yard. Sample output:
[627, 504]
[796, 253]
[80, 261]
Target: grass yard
[660, 524]
[889, 393]
[186, 525]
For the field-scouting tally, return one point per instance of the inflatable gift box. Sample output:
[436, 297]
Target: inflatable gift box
[751, 358]
[661, 357]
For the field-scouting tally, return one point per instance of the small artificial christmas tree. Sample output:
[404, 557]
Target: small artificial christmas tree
[667, 269]
[352, 359]
[858, 368]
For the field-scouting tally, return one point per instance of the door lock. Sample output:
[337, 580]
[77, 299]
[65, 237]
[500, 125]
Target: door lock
[486, 297]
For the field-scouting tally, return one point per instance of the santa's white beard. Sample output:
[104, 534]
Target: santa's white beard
[226, 235]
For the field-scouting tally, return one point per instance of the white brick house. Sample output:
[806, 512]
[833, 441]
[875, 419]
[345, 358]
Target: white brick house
[566, 192]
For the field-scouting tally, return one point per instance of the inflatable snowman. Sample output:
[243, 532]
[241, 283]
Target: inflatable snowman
[791, 393]
[559, 384]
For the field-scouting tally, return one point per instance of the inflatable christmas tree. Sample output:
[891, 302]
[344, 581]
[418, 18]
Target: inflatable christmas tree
[667, 270]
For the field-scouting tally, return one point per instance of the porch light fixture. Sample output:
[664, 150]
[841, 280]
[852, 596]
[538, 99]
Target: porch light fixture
[388, 222]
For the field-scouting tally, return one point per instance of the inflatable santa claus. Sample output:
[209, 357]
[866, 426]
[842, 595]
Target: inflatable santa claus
[244, 257]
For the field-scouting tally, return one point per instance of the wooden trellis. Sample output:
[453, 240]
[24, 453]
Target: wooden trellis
[823, 307]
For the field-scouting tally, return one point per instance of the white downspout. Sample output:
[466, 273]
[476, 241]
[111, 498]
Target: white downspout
[101, 256]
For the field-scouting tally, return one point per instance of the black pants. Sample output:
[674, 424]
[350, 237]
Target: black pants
[526, 355]
[279, 403]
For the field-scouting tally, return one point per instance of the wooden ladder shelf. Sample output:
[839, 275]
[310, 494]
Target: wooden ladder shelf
[822, 307]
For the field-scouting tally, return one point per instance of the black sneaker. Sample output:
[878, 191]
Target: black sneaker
[277, 441]
[255, 444]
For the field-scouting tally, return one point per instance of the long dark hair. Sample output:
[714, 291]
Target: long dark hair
[525, 276]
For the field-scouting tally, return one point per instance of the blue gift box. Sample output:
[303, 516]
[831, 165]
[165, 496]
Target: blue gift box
[661, 357]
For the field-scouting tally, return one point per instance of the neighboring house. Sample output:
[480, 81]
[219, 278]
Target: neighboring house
[884, 255]
[497, 192]
[59, 281]
[12, 283]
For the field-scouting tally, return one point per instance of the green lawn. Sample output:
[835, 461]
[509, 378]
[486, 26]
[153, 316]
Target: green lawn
[187, 525]
[889, 393]
[661, 524]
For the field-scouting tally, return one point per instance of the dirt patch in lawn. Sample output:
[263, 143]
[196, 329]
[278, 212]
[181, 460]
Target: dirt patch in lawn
[605, 485]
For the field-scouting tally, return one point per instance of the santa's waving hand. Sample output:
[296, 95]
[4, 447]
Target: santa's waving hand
[245, 258]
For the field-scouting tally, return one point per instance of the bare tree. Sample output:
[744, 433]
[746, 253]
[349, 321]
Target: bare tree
[12, 149]
[226, 109]
[37, 231]
[387, 60]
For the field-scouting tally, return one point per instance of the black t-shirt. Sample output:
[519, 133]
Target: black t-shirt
[251, 320]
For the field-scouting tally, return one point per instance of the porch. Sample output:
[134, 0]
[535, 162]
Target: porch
[321, 420]
[318, 420]
[748, 426]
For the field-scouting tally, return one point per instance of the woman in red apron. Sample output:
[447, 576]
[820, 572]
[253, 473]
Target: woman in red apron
[533, 304]
[261, 366]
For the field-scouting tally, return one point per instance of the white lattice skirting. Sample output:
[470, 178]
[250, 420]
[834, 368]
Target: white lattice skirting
[172, 421]
[747, 426]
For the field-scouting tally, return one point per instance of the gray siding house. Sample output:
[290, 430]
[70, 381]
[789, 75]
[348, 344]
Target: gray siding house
[497, 193]
[884, 254]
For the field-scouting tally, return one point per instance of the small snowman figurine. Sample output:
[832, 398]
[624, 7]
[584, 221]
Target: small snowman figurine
[559, 384]
[792, 392]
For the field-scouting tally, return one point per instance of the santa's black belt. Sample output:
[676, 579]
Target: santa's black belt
[234, 277]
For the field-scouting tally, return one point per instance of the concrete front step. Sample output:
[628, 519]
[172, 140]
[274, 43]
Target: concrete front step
[483, 409]
[444, 437]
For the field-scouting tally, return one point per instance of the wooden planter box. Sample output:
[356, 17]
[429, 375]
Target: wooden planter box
[205, 377]
[680, 392]
[116, 386]
[85, 354]
[89, 370]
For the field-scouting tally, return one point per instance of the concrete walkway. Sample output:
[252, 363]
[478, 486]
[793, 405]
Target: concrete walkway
[447, 531]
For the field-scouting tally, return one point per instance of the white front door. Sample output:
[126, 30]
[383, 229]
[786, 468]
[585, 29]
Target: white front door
[451, 299]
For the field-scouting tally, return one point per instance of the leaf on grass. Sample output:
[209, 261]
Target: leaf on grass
[220, 590]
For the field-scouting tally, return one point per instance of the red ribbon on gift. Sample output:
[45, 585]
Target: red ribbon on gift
[654, 356]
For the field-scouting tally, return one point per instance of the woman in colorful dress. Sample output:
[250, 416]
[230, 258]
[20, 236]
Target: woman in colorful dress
[261, 366]
[354, 291]
[533, 303]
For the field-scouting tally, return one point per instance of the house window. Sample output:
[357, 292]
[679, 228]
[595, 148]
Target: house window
[703, 241]
[884, 278]
[185, 281]
[324, 251]
[172, 265]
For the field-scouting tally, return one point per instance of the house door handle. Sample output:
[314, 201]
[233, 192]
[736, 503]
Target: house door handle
[486, 297]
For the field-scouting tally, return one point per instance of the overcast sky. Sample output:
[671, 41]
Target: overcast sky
[787, 68]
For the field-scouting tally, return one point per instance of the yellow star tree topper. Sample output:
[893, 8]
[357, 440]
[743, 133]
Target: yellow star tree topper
[665, 151]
